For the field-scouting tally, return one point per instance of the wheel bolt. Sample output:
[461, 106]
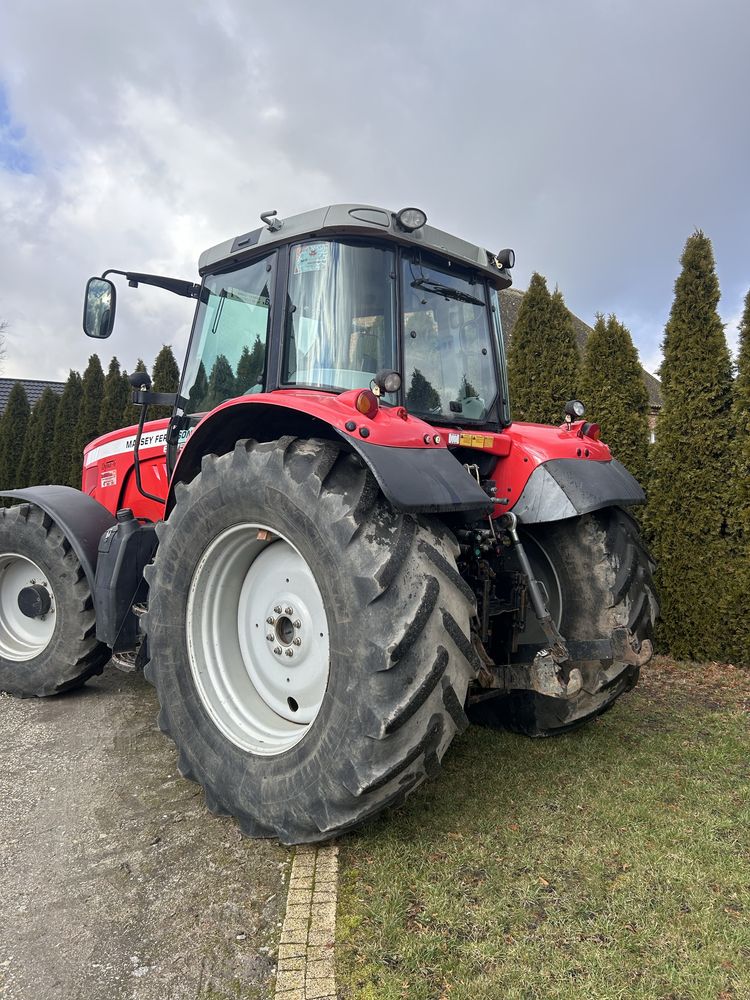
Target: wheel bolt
[270, 637]
[297, 641]
[277, 609]
[289, 652]
[270, 620]
[288, 611]
[277, 650]
[297, 623]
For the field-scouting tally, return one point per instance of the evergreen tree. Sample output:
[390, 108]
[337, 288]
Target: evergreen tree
[422, 396]
[166, 379]
[116, 395]
[131, 413]
[615, 395]
[692, 464]
[66, 421]
[198, 392]
[89, 416]
[742, 426]
[12, 436]
[40, 471]
[740, 501]
[543, 360]
[34, 467]
[250, 367]
[221, 382]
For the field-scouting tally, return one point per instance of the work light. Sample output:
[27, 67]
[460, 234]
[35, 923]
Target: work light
[410, 219]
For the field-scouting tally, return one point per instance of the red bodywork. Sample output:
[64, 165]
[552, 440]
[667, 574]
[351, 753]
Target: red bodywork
[108, 472]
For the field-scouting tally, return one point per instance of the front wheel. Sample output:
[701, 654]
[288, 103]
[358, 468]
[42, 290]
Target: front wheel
[47, 626]
[308, 643]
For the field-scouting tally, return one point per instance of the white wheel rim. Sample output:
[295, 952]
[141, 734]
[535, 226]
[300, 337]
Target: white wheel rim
[22, 638]
[258, 641]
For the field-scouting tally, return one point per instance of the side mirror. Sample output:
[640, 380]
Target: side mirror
[99, 308]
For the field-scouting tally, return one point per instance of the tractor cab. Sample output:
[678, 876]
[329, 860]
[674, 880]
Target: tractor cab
[335, 308]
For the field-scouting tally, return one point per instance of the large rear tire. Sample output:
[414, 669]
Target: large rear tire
[47, 627]
[283, 569]
[597, 574]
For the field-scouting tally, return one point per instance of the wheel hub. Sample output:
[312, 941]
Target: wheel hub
[27, 608]
[258, 638]
[34, 601]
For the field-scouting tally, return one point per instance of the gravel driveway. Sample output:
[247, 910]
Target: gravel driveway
[115, 882]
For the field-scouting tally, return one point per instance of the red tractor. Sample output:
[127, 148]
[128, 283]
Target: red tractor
[339, 548]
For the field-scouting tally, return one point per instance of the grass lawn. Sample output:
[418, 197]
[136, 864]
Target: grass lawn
[612, 862]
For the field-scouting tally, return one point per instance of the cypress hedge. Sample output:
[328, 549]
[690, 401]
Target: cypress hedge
[740, 506]
[66, 421]
[116, 395]
[615, 395]
[691, 464]
[166, 374]
[89, 416]
[543, 359]
[131, 413]
[12, 435]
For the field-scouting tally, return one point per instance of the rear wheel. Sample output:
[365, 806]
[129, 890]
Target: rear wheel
[597, 575]
[47, 628]
[308, 643]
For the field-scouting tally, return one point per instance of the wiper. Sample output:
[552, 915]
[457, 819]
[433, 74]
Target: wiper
[446, 291]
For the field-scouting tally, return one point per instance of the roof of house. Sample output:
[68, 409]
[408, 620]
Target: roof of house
[34, 389]
[510, 303]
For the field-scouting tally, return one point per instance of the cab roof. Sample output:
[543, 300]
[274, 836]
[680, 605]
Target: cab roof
[352, 220]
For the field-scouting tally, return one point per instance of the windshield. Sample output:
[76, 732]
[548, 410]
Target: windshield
[449, 368]
[341, 315]
[228, 350]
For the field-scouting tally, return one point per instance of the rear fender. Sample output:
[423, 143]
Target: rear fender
[81, 519]
[569, 487]
[413, 475]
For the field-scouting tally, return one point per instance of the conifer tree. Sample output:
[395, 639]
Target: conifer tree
[12, 436]
[198, 391]
[166, 375]
[116, 395]
[40, 470]
[615, 395]
[422, 396]
[543, 360]
[692, 464]
[250, 367]
[34, 467]
[131, 413]
[221, 382]
[66, 421]
[89, 416]
[737, 612]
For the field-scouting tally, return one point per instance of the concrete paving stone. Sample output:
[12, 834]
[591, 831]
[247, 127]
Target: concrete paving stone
[299, 897]
[323, 969]
[290, 981]
[319, 896]
[321, 936]
[294, 935]
[290, 951]
[290, 995]
[298, 964]
[318, 989]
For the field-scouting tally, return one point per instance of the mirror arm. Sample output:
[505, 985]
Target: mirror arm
[187, 288]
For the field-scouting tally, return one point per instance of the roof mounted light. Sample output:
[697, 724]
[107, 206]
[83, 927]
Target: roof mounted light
[410, 219]
[506, 258]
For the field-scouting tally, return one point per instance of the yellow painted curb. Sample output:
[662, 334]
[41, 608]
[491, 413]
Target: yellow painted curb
[305, 969]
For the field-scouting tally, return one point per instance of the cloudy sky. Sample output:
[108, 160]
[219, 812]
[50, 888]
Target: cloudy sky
[592, 136]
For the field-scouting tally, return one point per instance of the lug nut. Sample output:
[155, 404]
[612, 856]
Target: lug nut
[289, 652]
[270, 620]
[270, 637]
[297, 641]
[297, 623]
[277, 650]
[288, 611]
[277, 609]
